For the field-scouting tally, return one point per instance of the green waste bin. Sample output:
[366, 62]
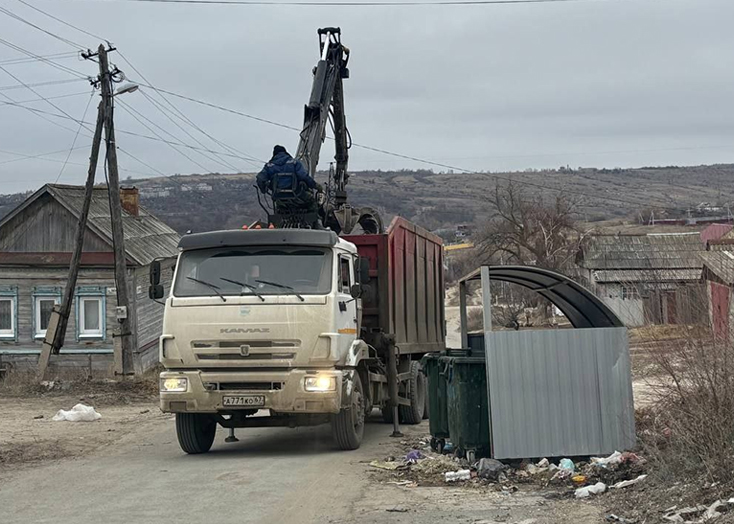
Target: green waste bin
[468, 414]
[437, 415]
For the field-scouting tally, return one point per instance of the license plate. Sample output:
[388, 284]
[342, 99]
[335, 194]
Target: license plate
[244, 401]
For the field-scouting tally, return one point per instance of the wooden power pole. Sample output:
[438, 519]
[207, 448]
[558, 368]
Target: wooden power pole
[59, 321]
[118, 236]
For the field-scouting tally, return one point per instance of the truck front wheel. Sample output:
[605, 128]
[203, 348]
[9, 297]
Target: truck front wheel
[195, 432]
[347, 427]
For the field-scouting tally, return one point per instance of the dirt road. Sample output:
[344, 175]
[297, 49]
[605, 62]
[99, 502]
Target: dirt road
[134, 471]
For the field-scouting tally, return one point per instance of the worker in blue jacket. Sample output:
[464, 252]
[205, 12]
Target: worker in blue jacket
[287, 180]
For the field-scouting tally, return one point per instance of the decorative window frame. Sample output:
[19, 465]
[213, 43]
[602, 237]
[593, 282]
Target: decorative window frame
[41, 292]
[11, 292]
[96, 292]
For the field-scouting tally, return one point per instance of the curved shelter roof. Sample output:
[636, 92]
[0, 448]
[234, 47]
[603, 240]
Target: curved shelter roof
[582, 308]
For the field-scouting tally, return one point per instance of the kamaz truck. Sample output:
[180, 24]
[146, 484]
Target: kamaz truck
[299, 327]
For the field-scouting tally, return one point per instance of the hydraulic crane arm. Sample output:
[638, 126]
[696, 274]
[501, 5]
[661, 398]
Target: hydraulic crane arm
[327, 103]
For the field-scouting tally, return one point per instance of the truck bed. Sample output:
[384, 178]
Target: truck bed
[405, 294]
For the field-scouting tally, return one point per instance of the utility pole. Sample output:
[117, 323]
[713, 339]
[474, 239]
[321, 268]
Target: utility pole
[56, 331]
[118, 237]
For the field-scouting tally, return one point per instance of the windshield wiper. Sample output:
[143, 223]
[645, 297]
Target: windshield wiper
[209, 284]
[248, 286]
[282, 286]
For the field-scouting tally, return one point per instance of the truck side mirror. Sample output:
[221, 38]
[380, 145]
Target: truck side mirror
[155, 273]
[156, 291]
[356, 290]
[364, 269]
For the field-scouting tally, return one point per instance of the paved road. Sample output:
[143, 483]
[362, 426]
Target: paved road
[271, 475]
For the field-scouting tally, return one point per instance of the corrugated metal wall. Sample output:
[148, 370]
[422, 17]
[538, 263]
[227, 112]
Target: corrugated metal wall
[557, 393]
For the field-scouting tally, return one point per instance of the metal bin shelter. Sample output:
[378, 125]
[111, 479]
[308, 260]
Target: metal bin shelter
[555, 392]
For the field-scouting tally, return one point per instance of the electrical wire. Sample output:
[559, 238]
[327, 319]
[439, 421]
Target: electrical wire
[41, 59]
[40, 84]
[61, 21]
[73, 143]
[21, 102]
[398, 3]
[57, 56]
[49, 33]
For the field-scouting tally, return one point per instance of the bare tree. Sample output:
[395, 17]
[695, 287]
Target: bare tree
[530, 229]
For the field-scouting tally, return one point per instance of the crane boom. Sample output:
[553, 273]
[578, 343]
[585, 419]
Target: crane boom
[327, 103]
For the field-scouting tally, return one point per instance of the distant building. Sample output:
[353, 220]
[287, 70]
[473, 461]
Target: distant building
[36, 243]
[715, 232]
[647, 279]
[718, 273]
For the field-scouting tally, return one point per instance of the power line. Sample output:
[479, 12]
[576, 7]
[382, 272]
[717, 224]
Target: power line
[38, 156]
[49, 33]
[61, 21]
[40, 58]
[40, 84]
[57, 56]
[20, 102]
[356, 3]
[73, 143]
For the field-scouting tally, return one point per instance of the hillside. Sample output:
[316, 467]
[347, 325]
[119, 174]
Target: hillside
[437, 200]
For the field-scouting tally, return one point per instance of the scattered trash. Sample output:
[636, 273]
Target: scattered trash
[578, 479]
[543, 463]
[490, 468]
[38, 417]
[414, 456]
[448, 448]
[453, 476]
[632, 458]
[79, 413]
[390, 466]
[404, 483]
[587, 491]
[621, 520]
[567, 464]
[684, 514]
[561, 475]
[145, 411]
[626, 483]
[397, 510]
[612, 460]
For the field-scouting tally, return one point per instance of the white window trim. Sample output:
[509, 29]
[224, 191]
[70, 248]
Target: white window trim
[37, 332]
[4, 333]
[98, 333]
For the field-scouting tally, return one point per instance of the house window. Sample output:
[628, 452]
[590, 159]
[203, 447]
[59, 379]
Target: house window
[91, 315]
[344, 276]
[630, 293]
[7, 317]
[44, 305]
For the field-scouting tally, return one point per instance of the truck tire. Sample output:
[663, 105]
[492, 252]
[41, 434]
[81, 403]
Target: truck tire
[416, 393]
[347, 426]
[195, 432]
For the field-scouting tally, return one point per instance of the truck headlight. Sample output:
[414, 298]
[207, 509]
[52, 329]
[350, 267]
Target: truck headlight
[320, 383]
[174, 384]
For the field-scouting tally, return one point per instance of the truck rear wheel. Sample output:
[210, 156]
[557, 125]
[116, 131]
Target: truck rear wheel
[347, 427]
[416, 393]
[195, 432]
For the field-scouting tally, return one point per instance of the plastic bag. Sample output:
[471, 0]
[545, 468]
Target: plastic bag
[596, 489]
[79, 413]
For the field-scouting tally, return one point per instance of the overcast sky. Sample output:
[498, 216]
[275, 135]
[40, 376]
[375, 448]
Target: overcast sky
[604, 83]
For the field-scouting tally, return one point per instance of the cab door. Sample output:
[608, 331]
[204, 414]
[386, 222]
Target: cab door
[346, 314]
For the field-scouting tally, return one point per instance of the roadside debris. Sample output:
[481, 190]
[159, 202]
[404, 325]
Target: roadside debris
[587, 491]
[612, 460]
[462, 474]
[625, 483]
[414, 456]
[38, 417]
[490, 468]
[699, 513]
[397, 509]
[621, 520]
[79, 413]
[387, 465]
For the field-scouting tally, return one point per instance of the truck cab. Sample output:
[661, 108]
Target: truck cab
[262, 320]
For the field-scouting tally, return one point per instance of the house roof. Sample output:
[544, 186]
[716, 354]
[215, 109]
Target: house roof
[647, 275]
[146, 237]
[648, 252]
[721, 264]
[715, 232]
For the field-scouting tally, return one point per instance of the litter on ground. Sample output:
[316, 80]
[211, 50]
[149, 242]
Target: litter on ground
[626, 483]
[587, 491]
[79, 413]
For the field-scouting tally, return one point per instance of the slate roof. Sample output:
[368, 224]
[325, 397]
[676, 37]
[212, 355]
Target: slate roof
[721, 264]
[647, 275]
[643, 252]
[146, 237]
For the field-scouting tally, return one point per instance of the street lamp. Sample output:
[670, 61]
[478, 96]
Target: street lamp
[127, 88]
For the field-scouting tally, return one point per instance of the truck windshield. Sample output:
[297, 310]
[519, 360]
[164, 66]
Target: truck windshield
[245, 271]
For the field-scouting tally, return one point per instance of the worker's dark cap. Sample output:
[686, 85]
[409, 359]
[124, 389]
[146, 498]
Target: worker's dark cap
[278, 149]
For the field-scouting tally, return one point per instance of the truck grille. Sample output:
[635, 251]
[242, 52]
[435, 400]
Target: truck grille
[225, 344]
[253, 356]
[245, 350]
